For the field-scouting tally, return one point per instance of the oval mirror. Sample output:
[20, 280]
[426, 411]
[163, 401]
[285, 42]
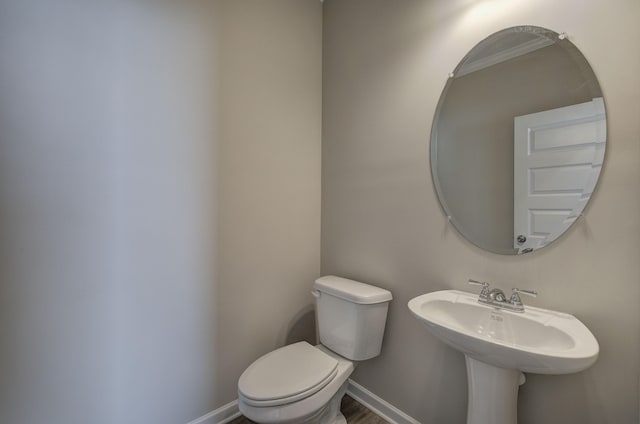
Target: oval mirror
[518, 140]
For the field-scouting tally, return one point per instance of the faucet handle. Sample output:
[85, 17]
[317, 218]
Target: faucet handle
[515, 295]
[484, 293]
[478, 283]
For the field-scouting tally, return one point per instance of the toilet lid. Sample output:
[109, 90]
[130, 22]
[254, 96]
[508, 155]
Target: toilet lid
[287, 374]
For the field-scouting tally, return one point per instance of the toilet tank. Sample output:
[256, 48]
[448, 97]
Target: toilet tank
[351, 316]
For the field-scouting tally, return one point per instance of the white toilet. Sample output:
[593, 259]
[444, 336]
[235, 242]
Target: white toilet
[301, 383]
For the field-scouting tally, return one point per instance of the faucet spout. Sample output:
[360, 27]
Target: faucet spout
[497, 295]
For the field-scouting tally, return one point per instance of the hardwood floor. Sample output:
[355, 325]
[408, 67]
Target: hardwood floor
[354, 412]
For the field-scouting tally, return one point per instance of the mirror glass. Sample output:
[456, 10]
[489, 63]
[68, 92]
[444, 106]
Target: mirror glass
[518, 140]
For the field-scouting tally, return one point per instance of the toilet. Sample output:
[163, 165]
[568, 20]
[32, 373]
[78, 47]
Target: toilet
[301, 383]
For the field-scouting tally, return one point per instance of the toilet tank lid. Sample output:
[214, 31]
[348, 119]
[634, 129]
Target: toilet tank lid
[351, 290]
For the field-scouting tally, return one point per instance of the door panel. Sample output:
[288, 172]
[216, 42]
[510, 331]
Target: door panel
[558, 154]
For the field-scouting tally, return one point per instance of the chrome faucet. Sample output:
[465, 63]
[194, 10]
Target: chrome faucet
[498, 299]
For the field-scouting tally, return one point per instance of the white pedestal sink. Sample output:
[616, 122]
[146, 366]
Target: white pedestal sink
[499, 344]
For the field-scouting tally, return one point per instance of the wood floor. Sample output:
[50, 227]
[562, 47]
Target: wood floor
[353, 411]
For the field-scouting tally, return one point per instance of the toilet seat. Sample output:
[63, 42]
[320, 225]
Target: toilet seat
[287, 375]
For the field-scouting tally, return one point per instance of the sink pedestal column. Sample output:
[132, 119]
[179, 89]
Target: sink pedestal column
[493, 393]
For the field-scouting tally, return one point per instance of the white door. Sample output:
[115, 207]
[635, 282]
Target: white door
[558, 154]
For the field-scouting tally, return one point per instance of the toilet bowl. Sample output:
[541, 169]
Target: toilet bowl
[301, 383]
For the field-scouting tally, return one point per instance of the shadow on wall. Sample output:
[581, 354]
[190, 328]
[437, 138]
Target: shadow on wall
[302, 327]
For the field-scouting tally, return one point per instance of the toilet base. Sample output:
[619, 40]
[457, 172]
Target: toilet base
[332, 414]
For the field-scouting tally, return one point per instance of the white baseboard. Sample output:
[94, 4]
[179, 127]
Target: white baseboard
[222, 415]
[379, 406]
[384, 409]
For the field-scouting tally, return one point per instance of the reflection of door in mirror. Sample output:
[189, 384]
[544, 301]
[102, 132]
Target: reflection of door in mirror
[558, 154]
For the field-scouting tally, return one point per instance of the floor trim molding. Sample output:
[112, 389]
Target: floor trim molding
[222, 415]
[378, 405]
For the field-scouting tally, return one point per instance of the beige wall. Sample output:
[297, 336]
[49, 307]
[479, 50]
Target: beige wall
[384, 66]
[159, 202]
[269, 180]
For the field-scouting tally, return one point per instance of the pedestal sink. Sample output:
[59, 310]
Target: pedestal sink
[499, 344]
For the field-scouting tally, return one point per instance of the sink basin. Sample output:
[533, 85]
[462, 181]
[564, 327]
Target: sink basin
[537, 341]
[499, 344]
